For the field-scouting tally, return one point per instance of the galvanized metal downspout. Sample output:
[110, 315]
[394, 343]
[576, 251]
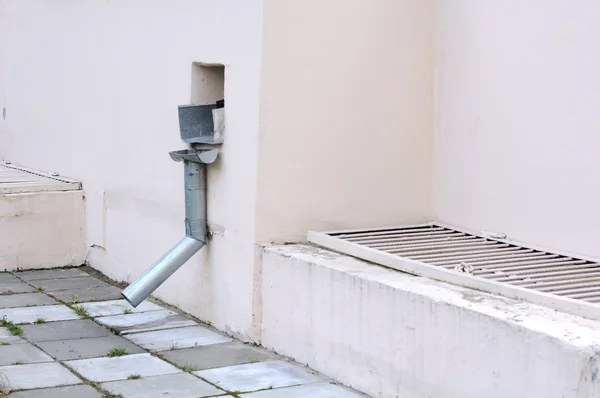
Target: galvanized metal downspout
[195, 162]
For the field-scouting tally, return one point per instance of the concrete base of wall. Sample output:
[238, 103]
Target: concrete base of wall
[42, 229]
[391, 334]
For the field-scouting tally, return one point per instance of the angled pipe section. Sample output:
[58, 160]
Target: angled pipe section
[194, 162]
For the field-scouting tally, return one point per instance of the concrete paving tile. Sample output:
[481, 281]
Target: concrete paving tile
[163, 340]
[7, 338]
[181, 385]
[217, 355]
[37, 375]
[50, 313]
[118, 368]
[7, 288]
[65, 350]
[67, 330]
[145, 321]
[80, 391]
[116, 307]
[6, 277]
[24, 353]
[25, 299]
[258, 376]
[53, 285]
[50, 274]
[91, 294]
[316, 390]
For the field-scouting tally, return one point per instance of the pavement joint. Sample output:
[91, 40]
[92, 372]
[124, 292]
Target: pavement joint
[73, 319]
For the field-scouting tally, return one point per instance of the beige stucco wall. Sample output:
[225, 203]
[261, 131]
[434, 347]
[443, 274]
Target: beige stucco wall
[346, 115]
[517, 135]
[91, 90]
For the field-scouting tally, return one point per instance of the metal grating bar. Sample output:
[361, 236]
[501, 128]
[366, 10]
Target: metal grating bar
[407, 237]
[530, 265]
[557, 276]
[563, 282]
[528, 258]
[435, 249]
[479, 254]
[427, 239]
[409, 246]
[533, 269]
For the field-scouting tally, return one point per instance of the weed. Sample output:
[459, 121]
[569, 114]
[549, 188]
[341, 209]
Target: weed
[40, 320]
[4, 343]
[187, 368]
[108, 394]
[81, 311]
[173, 347]
[12, 328]
[4, 388]
[134, 377]
[17, 363]
[40, 288]
[93, 384]
[74, 299]
[117, 352]
[7, 293]
[127, 311]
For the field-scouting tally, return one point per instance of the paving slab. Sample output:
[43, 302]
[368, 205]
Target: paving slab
[37, 375]
[25, 300]
[23, 353]
[145, 321]
[116, 307]
[12, 287]
[67, 330]
[118, 368]
[7, 338]
[217, 355]
[50, 313]
[316, 390]
[258, 376]
[53, 285]
[91, 294]
[80, 391]
[168, 339]
[180, 385]
[65, 350]
[50, 274]
[6, 277]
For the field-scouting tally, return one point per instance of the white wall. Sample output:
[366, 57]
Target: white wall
[517, 127]
[91, 90]
[346, 115]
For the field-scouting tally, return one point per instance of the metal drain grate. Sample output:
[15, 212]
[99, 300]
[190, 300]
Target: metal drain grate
[558, 281]
[17, 179]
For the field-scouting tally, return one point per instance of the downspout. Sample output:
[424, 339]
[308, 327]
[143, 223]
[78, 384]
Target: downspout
[194, 166]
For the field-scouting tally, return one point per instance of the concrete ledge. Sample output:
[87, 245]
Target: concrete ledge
[42, 229]
[395, 335]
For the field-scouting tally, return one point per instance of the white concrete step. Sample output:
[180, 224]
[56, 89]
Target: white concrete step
[42, 219]
[391, 334]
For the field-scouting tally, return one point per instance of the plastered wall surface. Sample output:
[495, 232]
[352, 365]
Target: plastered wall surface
[91, 88]
[516, 138]
[346, 114]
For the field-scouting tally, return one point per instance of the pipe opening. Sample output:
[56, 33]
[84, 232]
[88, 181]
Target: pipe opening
[161, 270]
